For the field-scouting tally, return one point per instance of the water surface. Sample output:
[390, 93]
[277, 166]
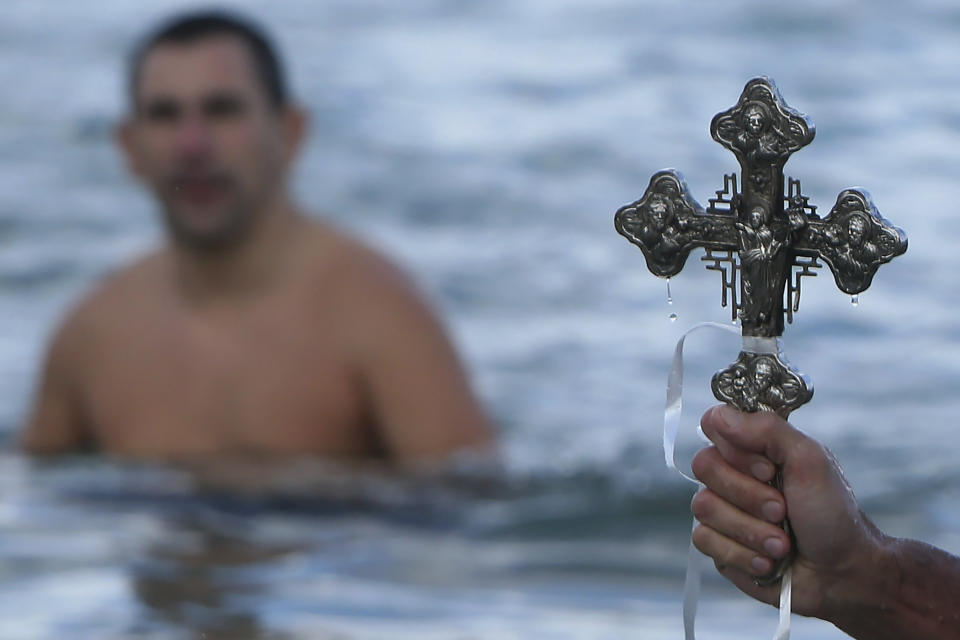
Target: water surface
[486, 146]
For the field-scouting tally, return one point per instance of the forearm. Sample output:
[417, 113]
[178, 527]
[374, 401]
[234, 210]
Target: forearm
[911, 593]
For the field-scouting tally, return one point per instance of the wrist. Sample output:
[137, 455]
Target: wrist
[898, 589]
[866, 586]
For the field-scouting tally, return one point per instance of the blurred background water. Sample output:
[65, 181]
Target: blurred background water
[486, 146]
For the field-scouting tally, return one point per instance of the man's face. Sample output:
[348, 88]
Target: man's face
[205, 139]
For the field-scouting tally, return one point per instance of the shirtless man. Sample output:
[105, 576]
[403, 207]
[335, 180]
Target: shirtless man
[255, 330]
[846, 571]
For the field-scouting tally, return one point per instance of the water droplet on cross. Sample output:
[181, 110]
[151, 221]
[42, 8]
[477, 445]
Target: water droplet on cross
[669, 294]
[855, 301]
[673, 317]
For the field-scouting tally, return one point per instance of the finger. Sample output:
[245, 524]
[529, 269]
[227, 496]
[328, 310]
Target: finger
[744, 581]
[730, 553]
[758, 535]
[754, 464]
[764, 432]
[744, 492]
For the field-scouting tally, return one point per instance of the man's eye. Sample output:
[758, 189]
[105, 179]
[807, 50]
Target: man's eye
[223, 107]
[162, 112]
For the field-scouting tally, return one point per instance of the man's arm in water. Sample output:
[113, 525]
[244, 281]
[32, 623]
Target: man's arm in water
[55, 423]
[421, 398]
[846, 571]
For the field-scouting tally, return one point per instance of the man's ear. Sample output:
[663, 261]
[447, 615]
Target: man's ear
[295, 122]
[123, 136]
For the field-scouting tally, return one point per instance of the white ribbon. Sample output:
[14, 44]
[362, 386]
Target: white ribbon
[671, 427]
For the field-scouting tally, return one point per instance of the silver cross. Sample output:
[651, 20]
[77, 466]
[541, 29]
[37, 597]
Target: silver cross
[778, 239]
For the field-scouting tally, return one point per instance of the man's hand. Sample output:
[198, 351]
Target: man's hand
[739, 513]
[845, 570]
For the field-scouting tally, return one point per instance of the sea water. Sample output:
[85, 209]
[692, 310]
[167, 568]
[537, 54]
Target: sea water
[486, 147]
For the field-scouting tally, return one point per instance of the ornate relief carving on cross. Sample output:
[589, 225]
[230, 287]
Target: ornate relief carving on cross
[764, 238]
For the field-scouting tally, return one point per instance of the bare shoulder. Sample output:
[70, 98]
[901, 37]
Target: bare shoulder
[57, 421]
[420, 396]
[357, 274]
[350, 255]
[118, 300]
[113, 299]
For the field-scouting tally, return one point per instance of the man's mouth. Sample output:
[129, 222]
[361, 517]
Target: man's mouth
[200, 190]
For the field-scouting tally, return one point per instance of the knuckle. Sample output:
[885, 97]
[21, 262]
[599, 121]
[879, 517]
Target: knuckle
[728, 555]
[748, 537]
[808, 449]
[703, 461]
[702, 537]
[767, 420]
[701, 506]
[709, 420]
[813, 458]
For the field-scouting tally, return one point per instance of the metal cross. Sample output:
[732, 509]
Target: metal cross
[777, 236]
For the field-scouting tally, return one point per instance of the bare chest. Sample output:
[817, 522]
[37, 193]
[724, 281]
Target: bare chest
[274, 385]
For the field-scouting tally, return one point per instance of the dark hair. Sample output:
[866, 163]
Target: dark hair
[189, 27]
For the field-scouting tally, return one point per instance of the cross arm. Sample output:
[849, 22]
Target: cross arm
[854, 240]
[667, 223]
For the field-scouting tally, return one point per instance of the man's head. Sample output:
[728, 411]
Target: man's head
[211, 131]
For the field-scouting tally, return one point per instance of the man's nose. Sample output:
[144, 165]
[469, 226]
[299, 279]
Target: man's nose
[193, 136]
